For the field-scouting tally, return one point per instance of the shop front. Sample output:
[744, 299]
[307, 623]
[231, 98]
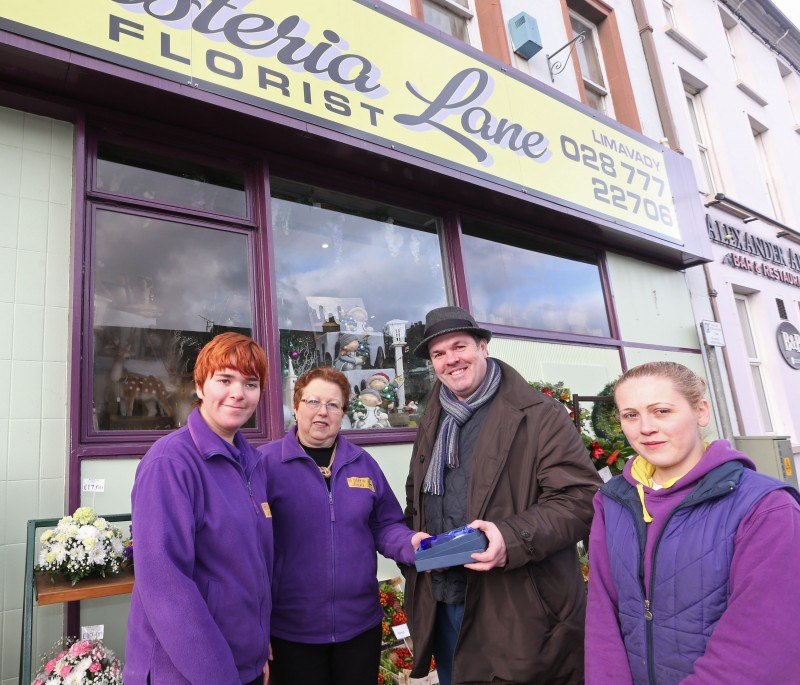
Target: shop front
[302, 173]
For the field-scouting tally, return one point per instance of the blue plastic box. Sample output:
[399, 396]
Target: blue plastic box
[453, 548]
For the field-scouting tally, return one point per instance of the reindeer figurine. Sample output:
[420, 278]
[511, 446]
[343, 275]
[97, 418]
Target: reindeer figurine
[128, 387]
[183, 394]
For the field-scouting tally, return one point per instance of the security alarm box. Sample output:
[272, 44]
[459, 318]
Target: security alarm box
[524, 32]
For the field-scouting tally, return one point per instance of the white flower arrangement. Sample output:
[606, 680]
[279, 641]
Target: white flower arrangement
[80, 662]
[82, 545]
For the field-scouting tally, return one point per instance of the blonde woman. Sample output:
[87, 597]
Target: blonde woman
[693, 555]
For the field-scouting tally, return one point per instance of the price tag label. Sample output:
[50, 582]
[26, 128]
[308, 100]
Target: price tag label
[401, 632]
[605, 474]
[92, 632]
[94, 484]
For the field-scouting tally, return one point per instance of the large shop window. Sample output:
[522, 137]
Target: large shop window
[354, 279]
[519, 280]
[161, 284]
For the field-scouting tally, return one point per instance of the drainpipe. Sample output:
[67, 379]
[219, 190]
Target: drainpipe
[716, 375]
[656, 76]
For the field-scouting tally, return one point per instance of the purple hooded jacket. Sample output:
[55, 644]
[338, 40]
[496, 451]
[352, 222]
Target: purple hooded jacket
[201, 602]
[325, 586]
[759, 595]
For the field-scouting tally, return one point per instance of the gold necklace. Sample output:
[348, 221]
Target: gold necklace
[326, 470]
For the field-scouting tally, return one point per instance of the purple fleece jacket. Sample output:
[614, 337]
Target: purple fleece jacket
[325, 586]
[203, 553]
[754, 640]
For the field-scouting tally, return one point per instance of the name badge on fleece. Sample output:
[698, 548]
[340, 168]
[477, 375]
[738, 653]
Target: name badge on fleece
[365, 483]
[265, 508]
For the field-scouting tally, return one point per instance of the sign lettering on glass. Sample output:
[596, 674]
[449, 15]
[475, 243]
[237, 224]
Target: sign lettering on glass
[304, 59]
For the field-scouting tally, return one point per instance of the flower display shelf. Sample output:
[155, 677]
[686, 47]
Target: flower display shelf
[57, 590]
[44, 592]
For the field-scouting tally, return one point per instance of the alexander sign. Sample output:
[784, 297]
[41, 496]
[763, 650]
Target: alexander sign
[372, 73]
[754, 254]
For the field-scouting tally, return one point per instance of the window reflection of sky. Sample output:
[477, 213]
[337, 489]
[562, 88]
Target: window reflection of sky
[517, 287]
[179, 275]
[396, 271]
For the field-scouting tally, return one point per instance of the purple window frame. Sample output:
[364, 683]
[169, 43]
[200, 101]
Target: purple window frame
[88, 443]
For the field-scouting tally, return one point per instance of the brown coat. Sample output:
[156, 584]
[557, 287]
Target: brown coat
[533, 478]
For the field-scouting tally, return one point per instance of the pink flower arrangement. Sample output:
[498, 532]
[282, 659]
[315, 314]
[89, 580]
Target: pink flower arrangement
[80, 662]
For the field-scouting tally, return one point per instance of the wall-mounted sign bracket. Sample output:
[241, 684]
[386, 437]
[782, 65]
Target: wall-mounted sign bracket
[556, 67]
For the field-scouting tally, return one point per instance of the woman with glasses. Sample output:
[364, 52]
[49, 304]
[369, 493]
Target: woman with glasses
[332, 510]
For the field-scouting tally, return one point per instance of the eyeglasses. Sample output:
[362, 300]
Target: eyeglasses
[314, 405]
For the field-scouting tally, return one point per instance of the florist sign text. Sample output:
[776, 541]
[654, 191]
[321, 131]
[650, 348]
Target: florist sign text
[358, 68]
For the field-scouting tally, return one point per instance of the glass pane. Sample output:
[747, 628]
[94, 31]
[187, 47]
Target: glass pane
[758, 383]
[764, 167]
[170, 180]
[594, 99]
[705, 163]
[669, 14]
[444, 20]
[531, 283]
[354, 281]
[584, 370]
[587, 52]
[693, 116]
[747, 329]
[161, 290]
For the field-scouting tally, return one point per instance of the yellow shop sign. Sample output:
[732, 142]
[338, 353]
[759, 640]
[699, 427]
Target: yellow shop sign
[373, 73]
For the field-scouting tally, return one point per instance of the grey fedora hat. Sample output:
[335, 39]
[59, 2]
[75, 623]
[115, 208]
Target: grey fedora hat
[448, 320]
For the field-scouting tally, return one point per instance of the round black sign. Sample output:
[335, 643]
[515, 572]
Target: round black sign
[789, 344]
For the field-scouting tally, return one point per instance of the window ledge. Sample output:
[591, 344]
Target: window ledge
[749, 92]
[684, 42]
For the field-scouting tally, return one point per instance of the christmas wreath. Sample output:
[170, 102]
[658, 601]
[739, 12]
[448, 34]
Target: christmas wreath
[605, 441]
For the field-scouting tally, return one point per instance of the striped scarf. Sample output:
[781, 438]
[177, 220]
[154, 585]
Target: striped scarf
[456, 414]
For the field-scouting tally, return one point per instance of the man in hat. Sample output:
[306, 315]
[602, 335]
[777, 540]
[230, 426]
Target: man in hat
[493, 453]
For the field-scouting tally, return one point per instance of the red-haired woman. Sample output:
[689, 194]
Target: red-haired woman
[201, 604]
[333, 510]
